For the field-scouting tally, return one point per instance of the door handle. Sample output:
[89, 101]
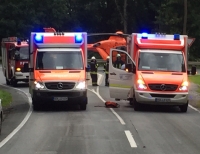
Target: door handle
[112, 73]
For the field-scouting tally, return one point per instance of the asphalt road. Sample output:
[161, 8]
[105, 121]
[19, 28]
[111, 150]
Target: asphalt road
[98, 130]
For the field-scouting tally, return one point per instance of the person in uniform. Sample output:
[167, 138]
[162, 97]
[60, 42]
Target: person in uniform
[118, 63]
[93, 71]
[106, 70]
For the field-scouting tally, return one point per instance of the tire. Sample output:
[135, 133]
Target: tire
[131, 101]
[13, 82]
[83, 107]
[136, 105]
[7, 82]
[184, 108]
[36, 106]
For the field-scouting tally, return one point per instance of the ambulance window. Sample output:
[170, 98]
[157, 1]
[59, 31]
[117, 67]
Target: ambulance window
[158, 60]
[120, 60]
[59, 60]
[22, 52]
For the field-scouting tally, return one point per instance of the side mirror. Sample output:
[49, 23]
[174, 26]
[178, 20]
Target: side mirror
[193, 70]
[130, 68]
[26, 67]
[17, 57]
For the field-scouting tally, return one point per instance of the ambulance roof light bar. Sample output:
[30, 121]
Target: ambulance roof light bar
[39, 38]
[176, 36]
[158, 35]
[78, 38]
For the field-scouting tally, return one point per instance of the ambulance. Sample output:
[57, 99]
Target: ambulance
[15, 59]
[57, 68]
[157, 71]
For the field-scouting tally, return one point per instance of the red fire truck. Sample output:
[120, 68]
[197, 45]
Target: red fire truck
[15, 59]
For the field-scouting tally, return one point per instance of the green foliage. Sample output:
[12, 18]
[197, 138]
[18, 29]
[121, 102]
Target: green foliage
[19, 18]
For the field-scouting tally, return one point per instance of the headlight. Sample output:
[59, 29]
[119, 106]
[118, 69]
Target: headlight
[39, 85]
[141, 85]
[18, 69]
[81, 85]
[184, 86]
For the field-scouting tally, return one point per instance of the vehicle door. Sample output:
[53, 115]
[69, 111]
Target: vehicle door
[121, 79]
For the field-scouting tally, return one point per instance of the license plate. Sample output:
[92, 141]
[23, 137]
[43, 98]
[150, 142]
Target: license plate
[162, 100]
[60, 98]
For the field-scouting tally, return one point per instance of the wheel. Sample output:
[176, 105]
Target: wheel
[83, 106]
[36, 106]
[7, 82]
[117, 99]
[184, 107]
[13, 82]
[131, 101]
[136, 105]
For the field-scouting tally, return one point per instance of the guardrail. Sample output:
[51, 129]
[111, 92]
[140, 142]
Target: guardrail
[103, 61]
[189, 62]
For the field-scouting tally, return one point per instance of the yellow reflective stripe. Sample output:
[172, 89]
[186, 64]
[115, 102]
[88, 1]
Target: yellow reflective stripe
[119, 86]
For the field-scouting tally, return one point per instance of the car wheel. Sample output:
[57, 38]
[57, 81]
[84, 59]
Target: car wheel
[83, 106]
[36, 106]
[184, 107]
[136, 105]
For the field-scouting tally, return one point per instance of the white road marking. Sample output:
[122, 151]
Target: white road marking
[2, 143]
[130, 139]
[112, 110]
[194, 108]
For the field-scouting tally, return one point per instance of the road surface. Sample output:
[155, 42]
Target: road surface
[99, 130]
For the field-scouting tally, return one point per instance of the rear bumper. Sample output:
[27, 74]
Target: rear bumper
[73, 97]
[149, 97]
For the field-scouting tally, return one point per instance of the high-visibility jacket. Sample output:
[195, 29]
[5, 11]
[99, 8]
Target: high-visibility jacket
[106, 67]
[93, 67]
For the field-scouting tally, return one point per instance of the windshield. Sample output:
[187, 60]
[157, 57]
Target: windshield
[59, 60]
[22, 53]
[161, 60]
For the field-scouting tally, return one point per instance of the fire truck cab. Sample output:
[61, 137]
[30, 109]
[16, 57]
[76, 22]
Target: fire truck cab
[58, 68]
[157, 71]
[15, 59]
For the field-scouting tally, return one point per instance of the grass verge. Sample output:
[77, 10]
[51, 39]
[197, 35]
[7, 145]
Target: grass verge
[195, 79]
[6, 98]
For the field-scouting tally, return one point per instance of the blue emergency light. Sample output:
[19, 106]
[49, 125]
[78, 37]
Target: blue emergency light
[144, 36]
[38, 38]
[176, 36]
[18, 42]
[78, 38]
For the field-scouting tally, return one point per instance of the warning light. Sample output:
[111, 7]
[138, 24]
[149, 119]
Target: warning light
[78, 38]
[144, 36]
[176, 37]
[38, 38]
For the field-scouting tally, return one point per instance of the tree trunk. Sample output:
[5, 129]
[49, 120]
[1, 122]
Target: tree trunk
[185, 18]
[125, 16]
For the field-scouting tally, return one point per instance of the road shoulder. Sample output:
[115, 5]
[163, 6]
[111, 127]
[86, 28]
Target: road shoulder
[15, 113]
